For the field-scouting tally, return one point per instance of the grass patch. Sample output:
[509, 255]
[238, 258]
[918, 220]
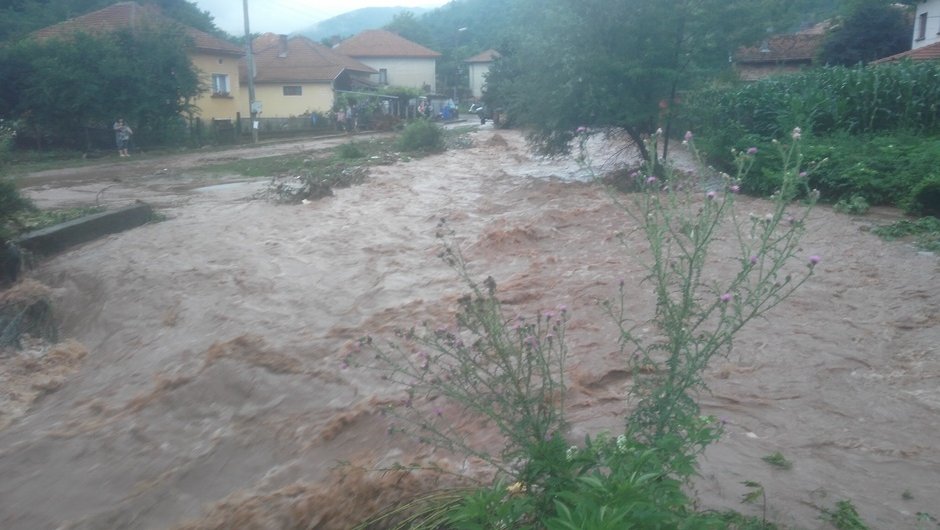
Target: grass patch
[30, 220]
[778, 460]
[370, 152]
[924, 232]
[844, 517]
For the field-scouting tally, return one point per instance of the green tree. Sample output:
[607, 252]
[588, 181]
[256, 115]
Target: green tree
[616, 63]
[407, 25]
[20, 17]
[870, 30]
[60, 89]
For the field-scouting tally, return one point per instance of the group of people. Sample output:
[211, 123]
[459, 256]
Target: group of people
[347, 119]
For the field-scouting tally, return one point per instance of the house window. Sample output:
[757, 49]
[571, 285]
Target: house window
[292, 90]
[220, 85]
[383, 76]
[922, 26]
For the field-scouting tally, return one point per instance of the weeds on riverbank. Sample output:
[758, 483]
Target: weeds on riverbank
[924, 232]
[508, 370]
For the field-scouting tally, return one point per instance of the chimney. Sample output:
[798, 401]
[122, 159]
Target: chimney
[282, 46]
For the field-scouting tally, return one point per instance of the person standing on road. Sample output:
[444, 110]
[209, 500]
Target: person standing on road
[122, 136]
[480, 111]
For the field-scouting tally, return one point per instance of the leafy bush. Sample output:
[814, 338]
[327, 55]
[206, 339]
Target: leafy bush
[885, 169]
[422, 136]
[854, 205]
[12, 205]
[349, 151]
[925, 197]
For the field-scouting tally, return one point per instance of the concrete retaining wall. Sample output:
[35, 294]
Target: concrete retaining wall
[64, 235]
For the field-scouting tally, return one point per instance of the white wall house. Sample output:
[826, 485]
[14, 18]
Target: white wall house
[398, 61]
[926, 23]
[478, 67]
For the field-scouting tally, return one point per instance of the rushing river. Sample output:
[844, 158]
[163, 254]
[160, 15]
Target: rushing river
[217, 345]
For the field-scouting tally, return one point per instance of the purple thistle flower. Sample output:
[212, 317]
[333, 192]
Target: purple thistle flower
[711, 195]
[725, 298]
[814, 260]
[562, 308]
[735, 188]
[650, 180]
[752, 150]
[753, 260]
[438, 411]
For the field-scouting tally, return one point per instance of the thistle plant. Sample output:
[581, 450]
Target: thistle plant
[508, 370]
[699, 308]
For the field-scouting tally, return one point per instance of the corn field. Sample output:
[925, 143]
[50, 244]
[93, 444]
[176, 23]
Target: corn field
[858, 100]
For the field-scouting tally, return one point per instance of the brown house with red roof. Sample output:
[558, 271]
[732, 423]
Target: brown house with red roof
[780, 54]
[216, 59]
[397, 60]
[297, 76]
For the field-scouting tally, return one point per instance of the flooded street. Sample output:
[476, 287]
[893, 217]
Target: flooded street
[215, 390]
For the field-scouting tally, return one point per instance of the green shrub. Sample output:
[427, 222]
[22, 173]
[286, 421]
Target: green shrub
[925, 197]
[349, 151]
[12, 205]
[854, 205]
[422, 136]
[885, 169]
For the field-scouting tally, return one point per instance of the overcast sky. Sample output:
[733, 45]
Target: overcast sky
[286, 16]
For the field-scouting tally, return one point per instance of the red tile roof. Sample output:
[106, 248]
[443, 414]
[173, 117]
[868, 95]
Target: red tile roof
[931, 52]
[131, 15]
[800, 47]
[485, 57]
[297, 60]
[382, 43]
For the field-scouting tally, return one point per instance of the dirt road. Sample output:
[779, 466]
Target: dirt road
[215, 387]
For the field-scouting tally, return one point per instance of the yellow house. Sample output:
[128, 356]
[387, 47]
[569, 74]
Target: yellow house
[216, 59]
[297, 76]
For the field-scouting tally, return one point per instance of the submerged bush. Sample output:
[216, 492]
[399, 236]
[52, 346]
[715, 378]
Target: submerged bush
[349, 151]
[422, 136]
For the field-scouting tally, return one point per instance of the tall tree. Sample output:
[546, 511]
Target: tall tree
[407, 25]
[871, 29]
[60, 89]
[20, 17]
[615, 63]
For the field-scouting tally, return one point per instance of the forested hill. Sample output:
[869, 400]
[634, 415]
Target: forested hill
[353, 22]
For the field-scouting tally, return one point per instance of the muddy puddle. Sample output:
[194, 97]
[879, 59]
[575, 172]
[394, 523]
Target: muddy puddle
[215, 391]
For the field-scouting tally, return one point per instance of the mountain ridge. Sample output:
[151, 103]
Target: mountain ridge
[353, 22]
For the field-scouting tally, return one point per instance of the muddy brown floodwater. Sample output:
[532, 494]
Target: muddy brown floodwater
[214, 394]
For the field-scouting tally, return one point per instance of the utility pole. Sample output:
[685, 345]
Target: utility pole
[252, 104]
